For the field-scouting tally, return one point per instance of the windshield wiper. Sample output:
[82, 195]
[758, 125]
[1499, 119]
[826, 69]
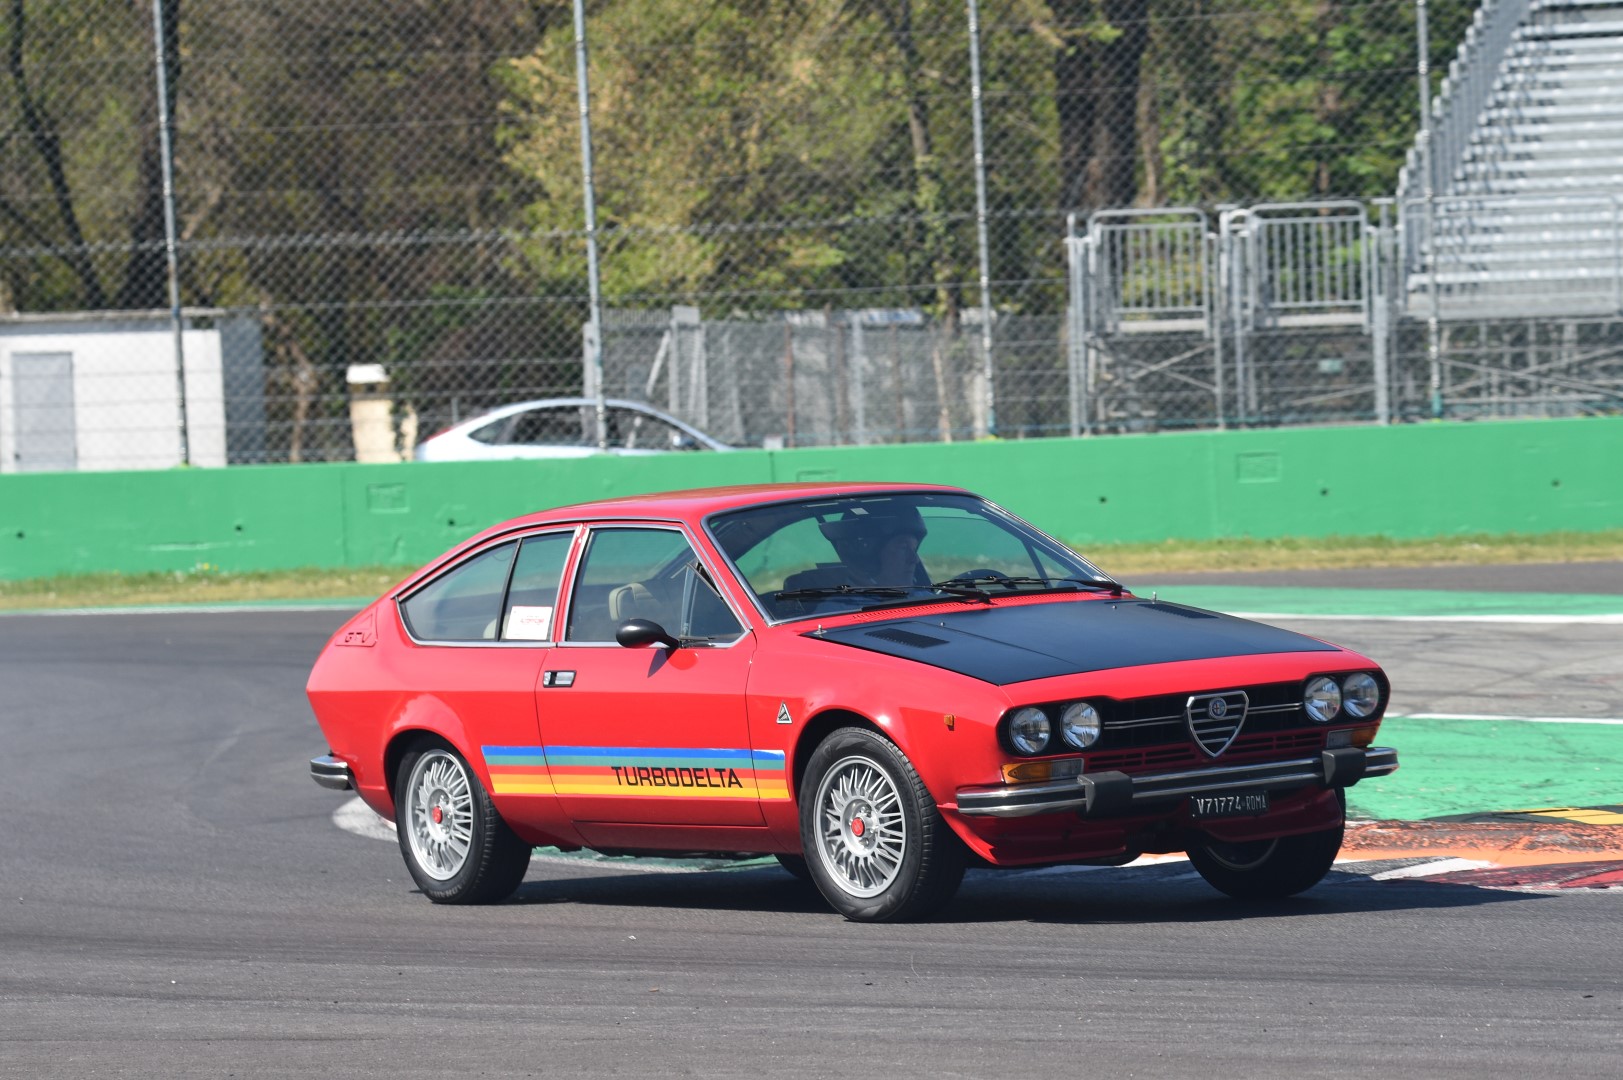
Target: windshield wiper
[1011, 582]
[843, 590]
[964, 589]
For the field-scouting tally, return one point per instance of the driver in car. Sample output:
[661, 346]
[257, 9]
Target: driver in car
[879, 545]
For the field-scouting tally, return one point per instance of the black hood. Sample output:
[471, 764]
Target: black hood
[1003, 645]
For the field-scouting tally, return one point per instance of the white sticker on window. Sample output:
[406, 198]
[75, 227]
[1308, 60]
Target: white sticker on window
[525, 623]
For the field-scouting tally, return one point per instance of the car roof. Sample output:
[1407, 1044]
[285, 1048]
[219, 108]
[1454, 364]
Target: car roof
[689, 506]
[513, 408]
[696, 503]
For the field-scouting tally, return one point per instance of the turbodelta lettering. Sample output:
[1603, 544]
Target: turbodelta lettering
[670, 776]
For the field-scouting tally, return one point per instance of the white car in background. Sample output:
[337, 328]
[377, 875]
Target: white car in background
[563, 428]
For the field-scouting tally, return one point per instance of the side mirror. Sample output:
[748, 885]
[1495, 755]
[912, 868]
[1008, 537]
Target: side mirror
[680, 441]
[640, 633]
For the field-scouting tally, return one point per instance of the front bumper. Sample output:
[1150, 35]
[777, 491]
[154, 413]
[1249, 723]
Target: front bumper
[330, 772]
[1114, 794]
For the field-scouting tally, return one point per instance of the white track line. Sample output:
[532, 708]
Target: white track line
[1427, 869]
[187, 609]
[1550, 620]
[1611, 721]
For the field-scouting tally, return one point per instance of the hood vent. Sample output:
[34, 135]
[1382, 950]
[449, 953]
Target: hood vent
[906, 637]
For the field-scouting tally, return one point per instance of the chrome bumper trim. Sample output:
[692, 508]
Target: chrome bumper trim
[329, 772]
[1110, 794]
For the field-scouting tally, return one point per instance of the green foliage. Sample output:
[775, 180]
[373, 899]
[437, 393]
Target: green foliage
[756, 154]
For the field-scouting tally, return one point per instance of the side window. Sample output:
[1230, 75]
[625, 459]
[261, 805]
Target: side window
[464, 603]
[532, 597]
[491, 433]
[630, 429]
[550, 427]
[705, 615]
[645, 574]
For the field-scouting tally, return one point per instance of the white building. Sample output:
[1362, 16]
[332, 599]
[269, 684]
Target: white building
[94, 391]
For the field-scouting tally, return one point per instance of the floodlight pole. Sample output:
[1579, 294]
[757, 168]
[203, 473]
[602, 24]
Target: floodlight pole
[987, 367]
[166, 153]
[1428, 190]
[593, 374]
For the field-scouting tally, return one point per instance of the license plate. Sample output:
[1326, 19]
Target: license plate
[1245, 804]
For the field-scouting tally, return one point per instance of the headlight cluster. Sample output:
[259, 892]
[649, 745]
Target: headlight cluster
[1052, 729]
[1326, 696]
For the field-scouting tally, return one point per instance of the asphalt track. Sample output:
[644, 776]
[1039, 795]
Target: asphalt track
[176, 900]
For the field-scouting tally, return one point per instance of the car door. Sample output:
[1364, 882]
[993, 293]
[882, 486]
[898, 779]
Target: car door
[654, 735]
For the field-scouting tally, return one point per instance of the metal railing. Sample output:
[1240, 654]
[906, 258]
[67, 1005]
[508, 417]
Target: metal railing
[1315, 311]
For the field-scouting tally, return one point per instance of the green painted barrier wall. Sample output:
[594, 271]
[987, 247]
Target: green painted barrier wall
[1406, 481]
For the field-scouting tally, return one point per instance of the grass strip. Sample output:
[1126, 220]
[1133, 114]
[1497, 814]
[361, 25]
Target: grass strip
[208, 584]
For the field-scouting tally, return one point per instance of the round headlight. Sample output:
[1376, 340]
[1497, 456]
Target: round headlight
[1322, 700]
[1360, 694]
[1079, 724]
[1029, 730]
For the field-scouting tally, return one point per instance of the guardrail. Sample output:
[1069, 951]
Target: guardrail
[1298, 312]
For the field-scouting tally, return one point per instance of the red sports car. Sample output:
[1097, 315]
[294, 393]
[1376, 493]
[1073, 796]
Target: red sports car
[880, 684]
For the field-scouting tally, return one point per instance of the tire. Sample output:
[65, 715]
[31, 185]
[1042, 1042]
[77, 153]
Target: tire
[457, 847]
[875, 845]
[796, 865]
[1267, 869]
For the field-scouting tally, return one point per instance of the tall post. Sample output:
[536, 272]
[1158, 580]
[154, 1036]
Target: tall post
[1378, 252]
[1215, 265]
[593, 375]
[1428, 175]
[987, 367]
[1076, 320]
[167, 153]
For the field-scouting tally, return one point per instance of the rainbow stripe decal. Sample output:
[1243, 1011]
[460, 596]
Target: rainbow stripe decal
[518, 770]
[631, 771]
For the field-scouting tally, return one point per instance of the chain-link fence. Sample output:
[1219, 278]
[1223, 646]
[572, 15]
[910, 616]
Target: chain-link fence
[379, 225]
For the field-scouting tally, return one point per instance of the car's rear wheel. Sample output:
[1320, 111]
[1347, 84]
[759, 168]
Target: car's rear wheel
[796, 865]
[875, 844]
[457, 847]
[1267, 869]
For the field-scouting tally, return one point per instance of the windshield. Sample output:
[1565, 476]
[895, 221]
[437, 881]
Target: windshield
[843, 554]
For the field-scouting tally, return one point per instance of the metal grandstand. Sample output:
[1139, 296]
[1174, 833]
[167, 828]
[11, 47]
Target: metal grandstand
[1491, 285]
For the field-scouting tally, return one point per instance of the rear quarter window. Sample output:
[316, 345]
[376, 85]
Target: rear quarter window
[464, 603]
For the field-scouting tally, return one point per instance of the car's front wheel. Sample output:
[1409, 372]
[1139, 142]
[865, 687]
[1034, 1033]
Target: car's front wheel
[457, 847]
[875, 844]
[1267, 869]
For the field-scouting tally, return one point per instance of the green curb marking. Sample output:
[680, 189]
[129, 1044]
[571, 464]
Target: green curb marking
[1466, 766]
[1367, 603]
[344, 603]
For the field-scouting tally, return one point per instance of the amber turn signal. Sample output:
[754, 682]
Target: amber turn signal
[1035, 772]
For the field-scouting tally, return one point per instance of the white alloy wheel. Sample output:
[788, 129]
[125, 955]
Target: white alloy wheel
[439, 814]
[863, 833]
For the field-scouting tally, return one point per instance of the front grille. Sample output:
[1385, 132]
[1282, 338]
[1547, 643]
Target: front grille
[1160, 719]
[1249, 747]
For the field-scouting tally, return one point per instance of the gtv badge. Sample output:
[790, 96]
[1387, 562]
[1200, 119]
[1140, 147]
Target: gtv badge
[1214, 719]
